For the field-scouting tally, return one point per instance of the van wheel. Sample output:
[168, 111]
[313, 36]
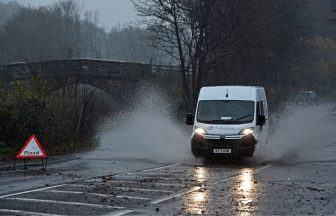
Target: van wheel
[196, 152]
[248, 153]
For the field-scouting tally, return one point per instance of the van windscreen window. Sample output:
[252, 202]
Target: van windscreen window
[225, 111]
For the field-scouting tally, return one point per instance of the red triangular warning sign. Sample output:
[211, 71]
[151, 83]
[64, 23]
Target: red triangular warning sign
[32, 149]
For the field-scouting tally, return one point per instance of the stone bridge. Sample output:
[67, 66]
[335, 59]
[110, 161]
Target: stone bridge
[119, 80]
[94, 72]
[106, 75]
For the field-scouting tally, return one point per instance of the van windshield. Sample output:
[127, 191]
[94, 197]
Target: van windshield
[225, 111]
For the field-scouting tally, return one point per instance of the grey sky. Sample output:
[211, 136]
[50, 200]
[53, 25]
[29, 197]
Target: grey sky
[111, 12]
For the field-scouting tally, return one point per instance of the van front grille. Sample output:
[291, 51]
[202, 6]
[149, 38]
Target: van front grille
[227, 143]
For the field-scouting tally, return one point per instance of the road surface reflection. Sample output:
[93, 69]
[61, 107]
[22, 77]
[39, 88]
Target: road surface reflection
[196, 202]
[241, 190]
[245, 192]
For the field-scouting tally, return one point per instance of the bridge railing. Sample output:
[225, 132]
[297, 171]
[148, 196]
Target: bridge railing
[165, 69]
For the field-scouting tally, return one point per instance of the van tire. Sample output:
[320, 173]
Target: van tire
[196, 152]
[248, 153]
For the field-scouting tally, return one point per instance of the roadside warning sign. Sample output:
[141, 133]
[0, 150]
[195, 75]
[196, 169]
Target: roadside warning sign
[32, 149]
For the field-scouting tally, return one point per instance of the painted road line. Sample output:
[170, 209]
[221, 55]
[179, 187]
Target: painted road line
[158, 168]
[155, 174]
[79, 192]
[97, 194]
[65, 203]
[119, 188]
[123, 174]
[144, 190]
[172, 170]
[157, 201]
[30, 191]
[150, 183]
[120, 213]
[114, 181]
[240, 175]
[157, 178]
[80, 185]
[144, 178]
[167, 184]
[94, 180]
[132, 175]
[132, 197]
[197, 188]
[18, 212]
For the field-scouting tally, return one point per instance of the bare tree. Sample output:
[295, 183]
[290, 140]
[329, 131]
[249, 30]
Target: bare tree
[185, 30]
[44, 33]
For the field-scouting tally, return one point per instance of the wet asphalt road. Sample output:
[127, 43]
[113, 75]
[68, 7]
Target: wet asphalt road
[241, 188]
[113, 181]
[306, 188]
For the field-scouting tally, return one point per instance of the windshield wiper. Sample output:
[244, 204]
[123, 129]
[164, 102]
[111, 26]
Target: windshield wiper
[240, 118]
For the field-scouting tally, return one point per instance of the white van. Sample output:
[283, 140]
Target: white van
[229, 120]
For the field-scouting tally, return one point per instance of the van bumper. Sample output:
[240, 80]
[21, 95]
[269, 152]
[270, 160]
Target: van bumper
[241, 146]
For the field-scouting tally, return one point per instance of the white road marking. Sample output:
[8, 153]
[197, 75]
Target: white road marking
[120, 213]
[30, 191]
[144, 190]
[157, 201]
[152, 183]
[94, 180]
[197, 188]
[64, 203]
[125, 188]
[168, 184]
[132, 197]
[80, 185]
[144, 170]
[174, 195]
[79, 192]
[143, 178]
[190, 191]
[158, 168]
[131, 175]
[237, 176]
[173, 170]
[18, 212]
[156, 174]
[98, 194]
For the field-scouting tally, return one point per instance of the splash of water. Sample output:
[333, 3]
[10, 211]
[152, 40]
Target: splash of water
[148, 131]
[300, 134]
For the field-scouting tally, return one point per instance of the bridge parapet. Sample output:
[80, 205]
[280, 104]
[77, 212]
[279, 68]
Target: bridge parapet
[97, 69]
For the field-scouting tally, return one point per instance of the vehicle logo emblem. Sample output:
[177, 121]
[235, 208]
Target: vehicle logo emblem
[222, 137]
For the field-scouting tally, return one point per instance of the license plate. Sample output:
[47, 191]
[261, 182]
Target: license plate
[222, 151]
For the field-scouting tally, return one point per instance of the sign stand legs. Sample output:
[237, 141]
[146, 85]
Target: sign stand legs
[44, 163]
[25, 164]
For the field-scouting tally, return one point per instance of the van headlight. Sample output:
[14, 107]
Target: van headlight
[200, 131]
[247, 131]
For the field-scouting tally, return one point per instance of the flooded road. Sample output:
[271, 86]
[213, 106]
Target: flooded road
[307, 188]
[152, 172]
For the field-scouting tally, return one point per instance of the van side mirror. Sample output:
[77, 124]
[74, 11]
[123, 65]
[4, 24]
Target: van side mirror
[189, 119]
[261, 120]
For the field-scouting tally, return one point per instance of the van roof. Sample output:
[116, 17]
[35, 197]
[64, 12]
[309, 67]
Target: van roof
[230, 93]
